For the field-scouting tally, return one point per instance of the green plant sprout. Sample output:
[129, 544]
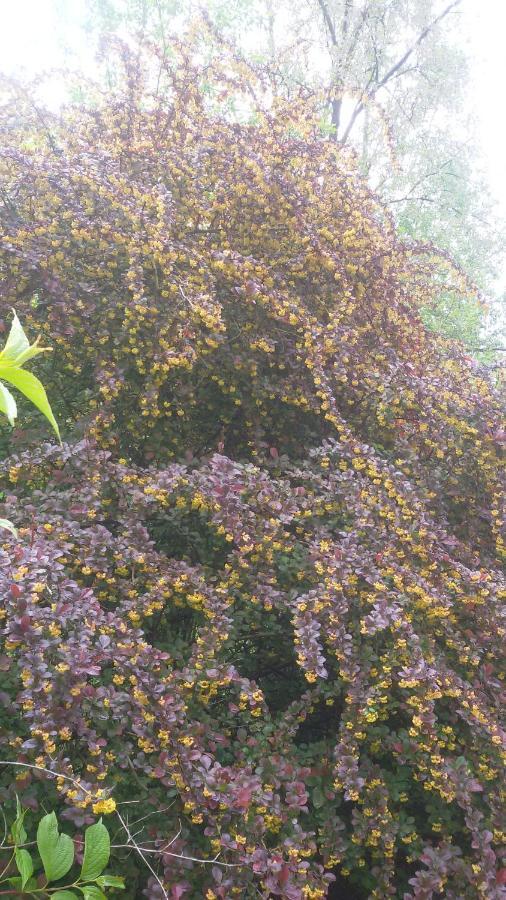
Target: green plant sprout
[15, 354]
[55, 857]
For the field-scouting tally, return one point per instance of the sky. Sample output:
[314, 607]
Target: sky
[484, 31]
[29, 41]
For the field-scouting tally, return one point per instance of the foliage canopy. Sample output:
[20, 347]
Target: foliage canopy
[380, 66]
[260, 591]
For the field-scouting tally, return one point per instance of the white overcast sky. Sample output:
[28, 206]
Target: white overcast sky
[29, 41]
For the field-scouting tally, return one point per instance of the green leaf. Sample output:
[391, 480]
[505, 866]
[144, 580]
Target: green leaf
[97, 849]
[63, 895]
[25, 865]
[6, 365]
[92, 892]
[33, 390]
[56, 850]
[4, 523]
[29, 353]
[111, 881]
[18, 349]
[8, 404]
[16, 344]
[17, 829]
[16, 883]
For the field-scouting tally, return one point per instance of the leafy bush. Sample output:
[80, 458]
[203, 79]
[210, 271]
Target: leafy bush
[259, 587]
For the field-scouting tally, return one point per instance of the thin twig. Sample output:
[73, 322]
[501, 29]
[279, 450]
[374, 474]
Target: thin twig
[206, 862]
[146, 862]
[73, 781]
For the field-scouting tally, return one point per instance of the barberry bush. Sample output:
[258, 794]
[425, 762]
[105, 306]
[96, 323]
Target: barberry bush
[257, 591]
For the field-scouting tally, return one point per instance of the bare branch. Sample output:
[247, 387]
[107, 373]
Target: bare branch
[328, 21]
[132, 842]
[337, 101]
[397, 66]
[421, 37]
[24, 765]
[408, 198]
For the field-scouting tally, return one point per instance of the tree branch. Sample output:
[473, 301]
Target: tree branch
[421, 37]
[336, 102]
[397, 66]
[328, 22]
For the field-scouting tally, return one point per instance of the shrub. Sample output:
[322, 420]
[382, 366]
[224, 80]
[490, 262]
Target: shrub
[259, 589]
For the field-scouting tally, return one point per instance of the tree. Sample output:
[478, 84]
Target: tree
[390, 60]
[260, 591]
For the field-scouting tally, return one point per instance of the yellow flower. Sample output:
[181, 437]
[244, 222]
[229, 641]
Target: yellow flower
[104, 806]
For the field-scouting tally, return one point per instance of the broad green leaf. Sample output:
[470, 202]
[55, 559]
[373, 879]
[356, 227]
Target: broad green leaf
[33, 390]
[16, 344]
[25, 865]
[27, 354]
[63, 895]
[7, 404]
[4, 523]
[97, 849]
[92, 892]
[56, 850]
[18, 349]
[111, 881]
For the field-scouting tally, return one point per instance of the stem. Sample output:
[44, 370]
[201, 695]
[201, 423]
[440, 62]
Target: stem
[73, 781]
[7, 866]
